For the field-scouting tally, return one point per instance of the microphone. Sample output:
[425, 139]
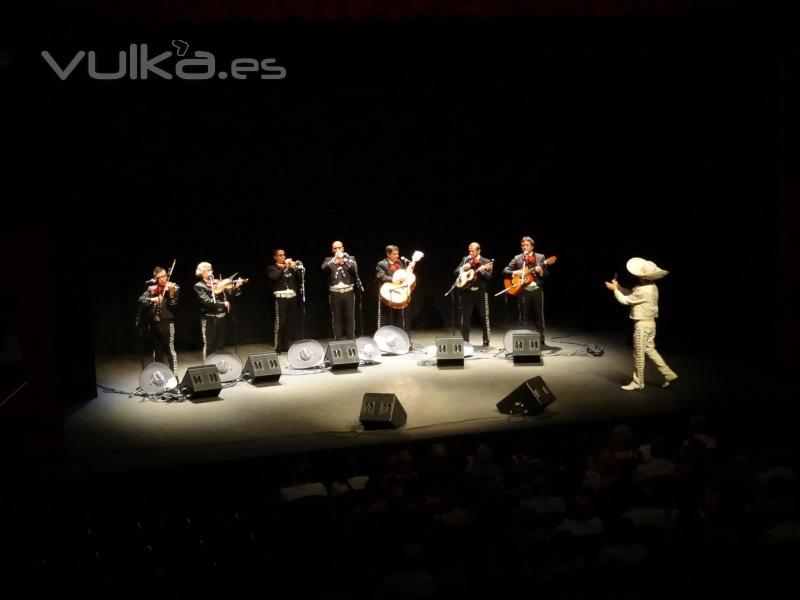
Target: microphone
[150, 281]
[404, 259]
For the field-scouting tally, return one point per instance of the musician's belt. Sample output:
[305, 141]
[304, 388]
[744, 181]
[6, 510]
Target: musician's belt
[340, 288]
[215, 316]
[285, 294]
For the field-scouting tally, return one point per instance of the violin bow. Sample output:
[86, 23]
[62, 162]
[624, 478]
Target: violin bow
[169, 276]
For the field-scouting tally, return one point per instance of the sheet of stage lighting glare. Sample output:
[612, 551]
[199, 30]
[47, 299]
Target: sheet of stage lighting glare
[368, 350]
[508, 338]
[306, 354]
[392, 340]
[228, 365]
[157, 378]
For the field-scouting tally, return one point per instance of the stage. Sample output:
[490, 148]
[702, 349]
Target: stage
[310, 411]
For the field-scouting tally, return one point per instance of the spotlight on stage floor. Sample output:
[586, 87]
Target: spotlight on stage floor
[392, 340]
[157, 378]
[368, 351]
[228, 365]
[508, 339]
[306, 354]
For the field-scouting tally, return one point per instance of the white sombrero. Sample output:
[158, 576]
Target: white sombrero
[646, 269]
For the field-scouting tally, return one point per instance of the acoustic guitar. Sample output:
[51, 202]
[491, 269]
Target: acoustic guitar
[464, 277]
[397, 293]
[517, 283]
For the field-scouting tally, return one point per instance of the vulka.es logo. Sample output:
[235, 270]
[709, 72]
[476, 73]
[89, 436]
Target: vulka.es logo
[136, 63]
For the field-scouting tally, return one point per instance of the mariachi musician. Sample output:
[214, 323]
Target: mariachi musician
[474, 273]
[285, 275]
[342, 273]
[215, 306]
[533, 267]
[384, 272]
[158, 303]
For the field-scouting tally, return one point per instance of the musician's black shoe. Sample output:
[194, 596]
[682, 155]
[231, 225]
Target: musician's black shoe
[485, 343]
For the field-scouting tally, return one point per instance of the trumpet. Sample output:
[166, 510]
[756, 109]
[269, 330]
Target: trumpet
[294, 264]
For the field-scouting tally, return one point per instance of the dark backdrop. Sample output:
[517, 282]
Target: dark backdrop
[601, 138]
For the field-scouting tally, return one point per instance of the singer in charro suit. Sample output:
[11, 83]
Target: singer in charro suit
[531, 300]
[384, 271]
[342, 271]
[474, 295]
[285, 276]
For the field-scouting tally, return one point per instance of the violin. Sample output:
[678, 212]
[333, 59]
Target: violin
[226, 285]
[160, 289]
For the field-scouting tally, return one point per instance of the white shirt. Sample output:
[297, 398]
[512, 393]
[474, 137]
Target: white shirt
[643, 300]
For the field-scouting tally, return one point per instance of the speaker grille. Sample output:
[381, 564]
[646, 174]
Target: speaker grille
[382, 411]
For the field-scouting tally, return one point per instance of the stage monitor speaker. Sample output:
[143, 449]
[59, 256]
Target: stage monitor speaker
[382, 411]
[508, 338]
[201, 383]
[529, 398]
[342, 355]
[262, 367]
[525, 349]
[450, 352]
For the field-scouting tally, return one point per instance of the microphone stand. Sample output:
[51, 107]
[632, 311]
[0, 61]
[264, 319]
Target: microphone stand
[360, 300]
[302, 302]
[232, 318]
[143, 321]
[452, 306]
[512, 286]
[453, 297]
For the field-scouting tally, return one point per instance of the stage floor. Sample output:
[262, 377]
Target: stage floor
[307, 411]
